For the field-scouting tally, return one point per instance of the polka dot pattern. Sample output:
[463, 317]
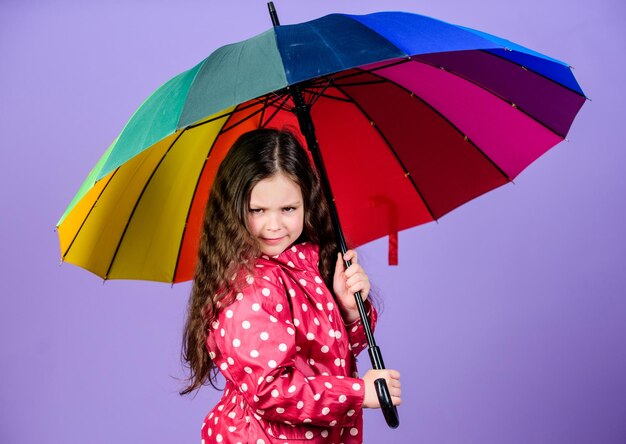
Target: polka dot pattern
[282, 310]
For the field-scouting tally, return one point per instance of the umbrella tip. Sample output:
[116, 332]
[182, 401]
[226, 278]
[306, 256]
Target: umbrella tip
[273, 15]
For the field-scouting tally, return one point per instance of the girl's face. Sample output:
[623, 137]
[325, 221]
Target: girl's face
[276, 213]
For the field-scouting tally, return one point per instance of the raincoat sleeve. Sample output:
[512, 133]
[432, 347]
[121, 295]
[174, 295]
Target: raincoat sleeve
[256, 338]
[356, 331]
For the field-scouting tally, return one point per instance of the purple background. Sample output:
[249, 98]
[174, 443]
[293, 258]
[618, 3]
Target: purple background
[507, 319]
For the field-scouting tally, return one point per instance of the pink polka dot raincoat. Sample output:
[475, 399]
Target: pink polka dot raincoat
[288, 359]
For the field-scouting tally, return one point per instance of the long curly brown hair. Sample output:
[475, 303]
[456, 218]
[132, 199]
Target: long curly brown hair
[227, 245]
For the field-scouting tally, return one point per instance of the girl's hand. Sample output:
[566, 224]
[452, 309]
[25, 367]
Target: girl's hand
[347, 282]
[370, 400]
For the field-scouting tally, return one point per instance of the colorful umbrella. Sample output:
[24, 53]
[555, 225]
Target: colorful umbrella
[413, 117]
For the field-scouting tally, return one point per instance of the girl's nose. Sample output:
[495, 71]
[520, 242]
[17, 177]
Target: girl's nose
[273, 222]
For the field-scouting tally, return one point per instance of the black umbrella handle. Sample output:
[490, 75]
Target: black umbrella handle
[302, 111]
[390, 412]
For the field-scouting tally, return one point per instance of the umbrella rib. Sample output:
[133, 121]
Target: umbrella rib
[262, 110]
[117, 248]
[221, 116]
[467, 139]
[340, 99]
[533, 71]
[87, 216]
[406, 172]
[276, 111]
[182, 237]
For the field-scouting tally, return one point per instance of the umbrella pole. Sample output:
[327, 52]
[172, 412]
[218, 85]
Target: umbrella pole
[307, 128]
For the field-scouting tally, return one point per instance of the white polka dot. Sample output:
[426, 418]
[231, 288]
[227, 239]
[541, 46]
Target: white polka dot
[319, 306]
[223, 366]
[302, 282]
[249, 279]
[338, 362]
[296, 322]
[343, 362]
[229, 314]
[333, 423]
[245, 325]
[290, 330]
[329, 306]
[254, 353]
[292, 292]
[265, 292]
[312, 361]
[318, 280]
[215, 324]
[256, 307]
[218, 438]
[356, 386]
[355, 328]
[308, 420]
[350, 412]
[282, 347]
[318, 290]
[290, 264]
[244, 387]
[255, 397]
[294, 249]
[273, 319]
[264, 336]
[248, 370]
[316, 321]
[210, 431]
[232, 415]
[325, 411]
[275, 393]
[271, 364]
[325, 349]
[231, 361]
[354, 431]
[304, 307]
[212, 355]
[266, 278]
[222, 332]
[236, 342]
[232, 428]
[317, 396]
[301, 255]
[300, 404]
[269, 379]
[292, 389]
[280, 410]
[239, 296]
[342, 398]
[310, 336]
[324, 433]
[331, 333]
[337, 334]
[279, 307]
[309, 435]
[328, 385]
[260, 441]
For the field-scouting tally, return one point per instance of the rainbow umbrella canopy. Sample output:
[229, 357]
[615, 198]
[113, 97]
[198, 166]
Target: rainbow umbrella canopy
[413, 116]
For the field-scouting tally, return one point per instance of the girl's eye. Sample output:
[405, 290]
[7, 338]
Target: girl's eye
[255, 210]
[288, 209]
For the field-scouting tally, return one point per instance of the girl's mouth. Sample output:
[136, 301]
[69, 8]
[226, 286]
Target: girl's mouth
[272, 241]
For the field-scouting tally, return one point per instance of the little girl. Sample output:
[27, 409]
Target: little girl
[273, 308]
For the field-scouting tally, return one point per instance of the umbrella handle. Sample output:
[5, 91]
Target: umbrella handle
[390, 412]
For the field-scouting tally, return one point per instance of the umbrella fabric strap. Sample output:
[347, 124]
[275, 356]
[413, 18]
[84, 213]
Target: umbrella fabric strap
[393, 248]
